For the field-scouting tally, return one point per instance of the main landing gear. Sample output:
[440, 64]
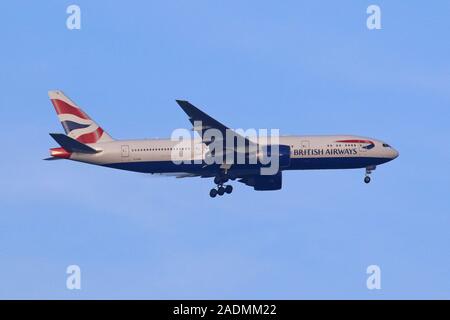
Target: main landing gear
[221, 188]
[368, 172]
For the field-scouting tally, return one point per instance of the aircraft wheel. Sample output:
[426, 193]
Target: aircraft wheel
[213, 193]
[229, 189]
[367, 179]
[221, 191]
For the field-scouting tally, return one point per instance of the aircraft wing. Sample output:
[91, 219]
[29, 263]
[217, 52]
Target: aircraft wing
[203, 122]
[180, 175]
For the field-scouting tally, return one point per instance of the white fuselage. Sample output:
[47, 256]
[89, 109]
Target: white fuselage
[307, 152]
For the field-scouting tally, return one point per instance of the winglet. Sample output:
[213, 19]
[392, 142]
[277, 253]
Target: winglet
[189, 108]
[195, 114]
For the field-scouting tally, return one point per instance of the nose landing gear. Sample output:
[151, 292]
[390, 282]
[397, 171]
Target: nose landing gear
[221, 188]
[368, 172]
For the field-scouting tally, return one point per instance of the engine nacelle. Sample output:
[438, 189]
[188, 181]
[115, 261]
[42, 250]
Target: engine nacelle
[260, 182]
[283, 152]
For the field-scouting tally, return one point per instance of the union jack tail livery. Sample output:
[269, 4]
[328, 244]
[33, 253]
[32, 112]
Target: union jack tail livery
[77, 124]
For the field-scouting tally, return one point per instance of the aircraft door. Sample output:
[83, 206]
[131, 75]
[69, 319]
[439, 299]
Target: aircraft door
[125, 151]
[197, 154]
[361, 147]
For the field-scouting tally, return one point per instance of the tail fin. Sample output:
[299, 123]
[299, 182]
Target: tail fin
[77, 124]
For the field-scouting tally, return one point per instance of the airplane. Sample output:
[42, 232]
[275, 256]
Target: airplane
[85, 141]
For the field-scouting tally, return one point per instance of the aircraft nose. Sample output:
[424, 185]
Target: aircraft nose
[395, 153]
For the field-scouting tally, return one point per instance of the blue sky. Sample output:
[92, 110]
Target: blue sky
[308, 67]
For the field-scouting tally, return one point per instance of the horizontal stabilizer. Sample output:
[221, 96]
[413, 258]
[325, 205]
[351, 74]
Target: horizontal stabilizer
[52, 158]
[70, 144]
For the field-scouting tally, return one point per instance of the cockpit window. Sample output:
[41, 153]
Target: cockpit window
[386, 145]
